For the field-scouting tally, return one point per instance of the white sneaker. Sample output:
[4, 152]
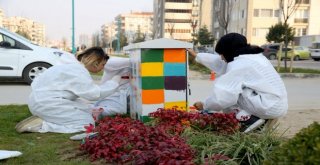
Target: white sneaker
[30, 124]
[83, 135]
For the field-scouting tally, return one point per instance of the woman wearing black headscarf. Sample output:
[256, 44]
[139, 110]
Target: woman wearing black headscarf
[246, 82]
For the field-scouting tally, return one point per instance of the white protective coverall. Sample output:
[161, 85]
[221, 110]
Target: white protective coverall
[55, 97]
[117, 102]
[249, 83]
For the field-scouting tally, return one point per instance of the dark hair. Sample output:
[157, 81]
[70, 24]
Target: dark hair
[233, 44]
[93, 50]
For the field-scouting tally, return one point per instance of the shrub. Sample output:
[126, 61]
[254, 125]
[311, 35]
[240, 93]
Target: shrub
[123, 140]
[303, 148]
[238, 148]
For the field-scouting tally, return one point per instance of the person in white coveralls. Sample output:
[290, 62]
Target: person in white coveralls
[55, 98]
[118, 102]
[246, 83]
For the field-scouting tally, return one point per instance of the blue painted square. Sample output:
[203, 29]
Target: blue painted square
[175, 69]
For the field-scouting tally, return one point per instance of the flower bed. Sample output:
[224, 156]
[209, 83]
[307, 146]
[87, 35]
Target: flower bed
[176, 137]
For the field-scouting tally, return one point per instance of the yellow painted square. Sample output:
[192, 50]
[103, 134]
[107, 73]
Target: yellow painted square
[152, 69]
[182, 105]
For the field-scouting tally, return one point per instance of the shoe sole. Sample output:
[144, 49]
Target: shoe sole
[254, 126]
[22, 125]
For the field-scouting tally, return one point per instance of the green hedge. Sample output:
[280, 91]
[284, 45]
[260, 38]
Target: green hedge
[303, 148]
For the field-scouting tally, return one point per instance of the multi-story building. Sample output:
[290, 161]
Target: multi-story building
[132, 22]
[1, 18]
[176, 19]
[108, 32]
[84, 40]
[206, 11]
[36, 31]
[253, 18]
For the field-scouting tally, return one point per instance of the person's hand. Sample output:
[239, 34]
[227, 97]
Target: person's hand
[192, 52]
[198, 105]
[116, 78]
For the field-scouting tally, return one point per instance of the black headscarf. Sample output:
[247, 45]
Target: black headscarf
[233, 44]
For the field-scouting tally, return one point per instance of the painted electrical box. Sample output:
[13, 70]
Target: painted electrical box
[159, 76]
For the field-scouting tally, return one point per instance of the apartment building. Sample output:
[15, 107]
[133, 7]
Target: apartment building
[132, 22]
[176, 19]
[109, 32]
[206, 11]
[253, 18]
[36, 31]
[1, 18]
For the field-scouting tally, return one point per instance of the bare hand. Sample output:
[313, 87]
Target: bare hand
[198, 105]
[192, 52]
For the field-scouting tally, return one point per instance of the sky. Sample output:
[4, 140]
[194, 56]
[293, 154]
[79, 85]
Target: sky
[56, 15]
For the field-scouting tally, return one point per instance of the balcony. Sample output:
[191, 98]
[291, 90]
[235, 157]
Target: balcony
[301, 20]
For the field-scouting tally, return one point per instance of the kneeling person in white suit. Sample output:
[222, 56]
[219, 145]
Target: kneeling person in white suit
[54, 100]
[246, 81]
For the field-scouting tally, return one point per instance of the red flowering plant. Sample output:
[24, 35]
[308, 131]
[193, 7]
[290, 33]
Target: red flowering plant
[175, 121]
[122, 140]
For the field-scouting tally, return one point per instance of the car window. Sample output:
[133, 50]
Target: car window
[316, 45]
[274, 47]
[13, 43]
[10, 40]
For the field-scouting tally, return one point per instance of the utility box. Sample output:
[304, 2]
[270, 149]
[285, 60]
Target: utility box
[159, 76]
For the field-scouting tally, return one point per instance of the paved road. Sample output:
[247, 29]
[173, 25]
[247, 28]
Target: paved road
[309, 64]
[302, 93]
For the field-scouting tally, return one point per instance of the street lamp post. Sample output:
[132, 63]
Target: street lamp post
[73, 44]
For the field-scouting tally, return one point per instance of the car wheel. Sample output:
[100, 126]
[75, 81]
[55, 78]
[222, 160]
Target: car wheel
[33, 70]
[272, 57]
[296, 58]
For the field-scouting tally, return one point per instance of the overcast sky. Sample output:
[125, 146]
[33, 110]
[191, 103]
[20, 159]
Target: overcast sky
[56, 15]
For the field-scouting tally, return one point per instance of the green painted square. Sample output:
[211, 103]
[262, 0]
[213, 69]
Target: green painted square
[152, 55]
[153, 82]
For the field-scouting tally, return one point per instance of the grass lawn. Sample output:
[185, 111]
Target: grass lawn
[36, 148]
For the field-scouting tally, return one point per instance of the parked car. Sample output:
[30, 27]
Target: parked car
[315, 51]
[21, 59]
[270, 50]
[298, 53]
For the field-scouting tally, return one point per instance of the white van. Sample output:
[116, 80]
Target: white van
[21, 59]
[315, 51]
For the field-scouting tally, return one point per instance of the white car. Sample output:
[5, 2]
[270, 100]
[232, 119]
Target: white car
[21, 59]
[315, 51]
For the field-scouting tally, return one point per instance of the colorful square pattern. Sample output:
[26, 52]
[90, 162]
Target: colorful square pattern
[163, 79]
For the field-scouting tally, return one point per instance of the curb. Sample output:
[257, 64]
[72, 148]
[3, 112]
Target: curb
[282, 75]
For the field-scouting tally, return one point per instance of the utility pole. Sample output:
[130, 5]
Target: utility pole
[73, 44]
[119, 33]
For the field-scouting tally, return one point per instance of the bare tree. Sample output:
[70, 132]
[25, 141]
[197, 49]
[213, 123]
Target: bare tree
[224, 13]
[288, 7]
[64, 44]
[171, 29]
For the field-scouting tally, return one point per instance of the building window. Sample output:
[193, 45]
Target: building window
[177, 20]
[301, 31]
[302, 2]
[180, 1]
[242, 13]
[276, 13]
[178, 11]
[256, 12]
[266, 13]
[301, 16]
[260, 32]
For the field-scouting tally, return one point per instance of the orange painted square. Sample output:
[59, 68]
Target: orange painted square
[152, 96]
[174, 55]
